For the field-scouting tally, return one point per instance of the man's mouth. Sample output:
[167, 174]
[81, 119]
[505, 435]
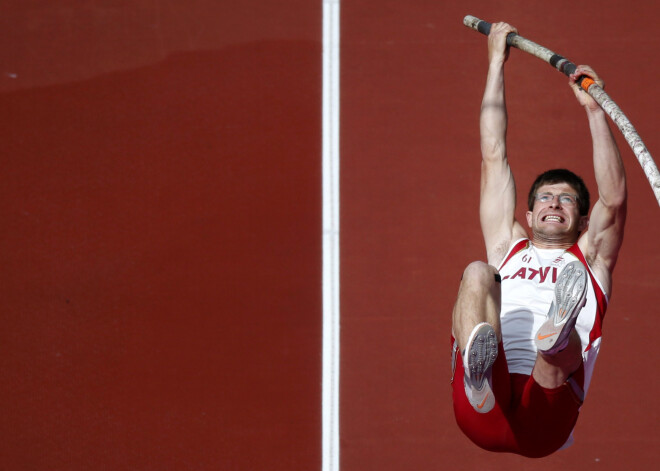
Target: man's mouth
[553, 218]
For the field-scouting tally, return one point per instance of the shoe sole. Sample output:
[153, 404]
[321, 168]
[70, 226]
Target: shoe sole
[570, 298]
[481, 354]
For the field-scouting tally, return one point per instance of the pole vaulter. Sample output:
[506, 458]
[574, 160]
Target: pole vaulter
[606, 103]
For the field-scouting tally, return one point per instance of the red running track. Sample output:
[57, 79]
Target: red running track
[161, 242]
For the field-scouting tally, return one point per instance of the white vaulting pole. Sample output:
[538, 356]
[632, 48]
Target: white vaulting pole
[330, 387]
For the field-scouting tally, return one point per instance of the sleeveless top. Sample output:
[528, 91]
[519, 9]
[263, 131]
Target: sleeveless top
[528, 280]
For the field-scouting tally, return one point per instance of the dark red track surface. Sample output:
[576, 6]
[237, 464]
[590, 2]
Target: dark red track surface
[161, 242]
[161, 245]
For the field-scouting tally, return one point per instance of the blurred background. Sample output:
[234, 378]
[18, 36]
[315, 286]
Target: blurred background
[161, 243]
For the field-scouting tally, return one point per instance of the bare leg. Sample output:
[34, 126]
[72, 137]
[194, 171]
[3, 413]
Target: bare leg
[551, 371]
[478, 301]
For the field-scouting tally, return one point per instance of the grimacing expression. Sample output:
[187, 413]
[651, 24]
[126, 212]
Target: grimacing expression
[556, 212]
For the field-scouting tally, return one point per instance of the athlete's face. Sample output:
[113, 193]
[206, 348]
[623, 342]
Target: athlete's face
[556, 214]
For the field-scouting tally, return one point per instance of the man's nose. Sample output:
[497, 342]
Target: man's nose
[554, 202]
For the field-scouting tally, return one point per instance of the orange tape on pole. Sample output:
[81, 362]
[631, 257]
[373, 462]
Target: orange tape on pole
[586, 83]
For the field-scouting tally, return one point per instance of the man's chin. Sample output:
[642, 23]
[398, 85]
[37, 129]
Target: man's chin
[555, 234]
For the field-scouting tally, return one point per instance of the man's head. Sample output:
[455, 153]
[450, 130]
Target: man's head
[561, 175]
[558, 204]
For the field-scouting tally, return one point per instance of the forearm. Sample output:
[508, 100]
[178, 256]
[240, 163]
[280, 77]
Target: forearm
[493, 118]
[608, 167]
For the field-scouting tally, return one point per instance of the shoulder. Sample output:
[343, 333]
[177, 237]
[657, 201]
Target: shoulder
[602, 242]
[498, 251]
[601, 270]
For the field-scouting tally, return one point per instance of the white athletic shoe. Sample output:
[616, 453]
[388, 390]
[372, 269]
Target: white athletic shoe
[480, 354]
[570, 298]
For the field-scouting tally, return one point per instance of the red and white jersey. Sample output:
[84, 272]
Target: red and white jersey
[528, 280]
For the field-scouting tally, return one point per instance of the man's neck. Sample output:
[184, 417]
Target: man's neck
[543, 243]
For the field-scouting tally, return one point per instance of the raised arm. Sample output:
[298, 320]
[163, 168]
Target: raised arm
[498, 190]
[603, 240]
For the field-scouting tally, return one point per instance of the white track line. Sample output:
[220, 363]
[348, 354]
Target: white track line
[330, 399]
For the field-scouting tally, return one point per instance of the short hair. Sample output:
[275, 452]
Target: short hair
[561, 175]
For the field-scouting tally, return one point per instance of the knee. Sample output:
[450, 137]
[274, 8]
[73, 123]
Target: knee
[481, 274]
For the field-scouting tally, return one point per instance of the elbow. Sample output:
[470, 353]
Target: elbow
[612, 187]
[616, 198]
[492, 149]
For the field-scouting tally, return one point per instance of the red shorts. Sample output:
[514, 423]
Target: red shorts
[527, 419]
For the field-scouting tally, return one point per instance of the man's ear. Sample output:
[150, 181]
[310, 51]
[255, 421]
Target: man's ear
[584, 223]
[528, 216]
